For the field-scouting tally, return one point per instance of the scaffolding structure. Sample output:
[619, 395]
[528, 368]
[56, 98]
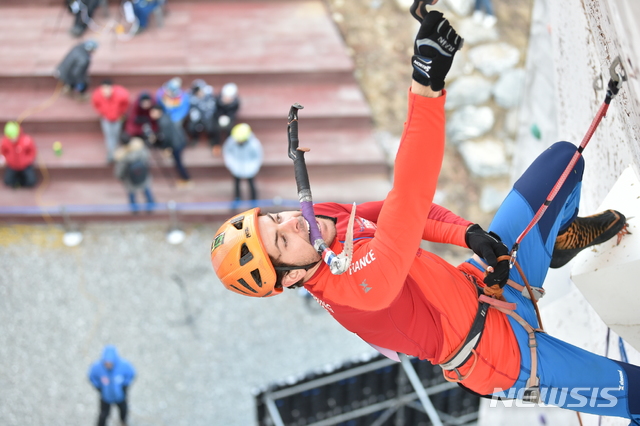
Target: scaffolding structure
[371, 391]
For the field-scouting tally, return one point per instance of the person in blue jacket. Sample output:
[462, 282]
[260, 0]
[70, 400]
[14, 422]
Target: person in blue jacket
[174, 100]
[111, 376]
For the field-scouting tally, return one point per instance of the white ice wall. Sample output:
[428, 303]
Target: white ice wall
[572, 43]
[586, 36]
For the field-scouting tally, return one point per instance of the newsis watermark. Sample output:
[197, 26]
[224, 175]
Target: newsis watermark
[563, 397]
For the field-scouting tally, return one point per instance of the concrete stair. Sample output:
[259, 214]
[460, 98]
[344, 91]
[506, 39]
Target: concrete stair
[278, 52]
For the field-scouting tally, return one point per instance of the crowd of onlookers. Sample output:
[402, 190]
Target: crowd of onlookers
[135, 13]
[142, 130]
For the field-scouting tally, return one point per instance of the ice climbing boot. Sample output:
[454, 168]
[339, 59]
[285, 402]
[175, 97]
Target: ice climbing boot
[586, 232]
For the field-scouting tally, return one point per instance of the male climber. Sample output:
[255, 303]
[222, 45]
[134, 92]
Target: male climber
[399, 297]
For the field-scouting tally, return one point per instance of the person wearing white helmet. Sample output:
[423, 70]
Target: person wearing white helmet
[228, 104]
[242, 153]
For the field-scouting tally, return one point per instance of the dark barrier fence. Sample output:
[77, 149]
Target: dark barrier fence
[372, 391]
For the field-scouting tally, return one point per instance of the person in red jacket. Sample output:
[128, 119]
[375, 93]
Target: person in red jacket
[400, 298]
[19, 153]
[111, 101]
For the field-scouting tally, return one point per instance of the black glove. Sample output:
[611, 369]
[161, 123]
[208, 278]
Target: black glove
[436, 44]
[489, 246]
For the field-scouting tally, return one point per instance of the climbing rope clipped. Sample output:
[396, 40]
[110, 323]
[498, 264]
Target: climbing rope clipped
[613, 87]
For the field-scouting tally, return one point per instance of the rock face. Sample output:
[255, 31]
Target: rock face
[494, 58]
[468, 90]
[474, 33]
[469, 122]
[485, 158]
[509, 88]
[461, 7]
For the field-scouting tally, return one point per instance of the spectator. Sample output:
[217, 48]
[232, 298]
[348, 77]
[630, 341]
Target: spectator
[19, 152]
[138, 122]
[174, 100]
[142, 9]
[242, 153]
[83, 12]
[202, 115]
[73, 70]
[171, 136]
[228, 104]
[483, 13]
[111, 376]
[133, 169]
[111, 101]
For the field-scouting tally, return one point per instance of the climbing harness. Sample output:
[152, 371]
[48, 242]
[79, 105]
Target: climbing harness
[488, 298]
[613, 87]
[340, 263]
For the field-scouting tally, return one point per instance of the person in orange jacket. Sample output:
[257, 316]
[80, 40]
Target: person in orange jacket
[111, 101]
[19, 153]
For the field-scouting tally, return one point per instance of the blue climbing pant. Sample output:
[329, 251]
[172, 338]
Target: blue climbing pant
[570, 377]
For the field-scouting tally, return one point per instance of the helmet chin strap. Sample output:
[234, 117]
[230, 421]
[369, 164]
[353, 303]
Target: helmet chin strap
[291, 268]
[338, 264]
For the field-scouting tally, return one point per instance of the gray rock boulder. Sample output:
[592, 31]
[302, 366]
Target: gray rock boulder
[509, 88]
[461, 7]
[468, 90]
[494, 58]
[484, 158]
[475, 33]
[469, 122]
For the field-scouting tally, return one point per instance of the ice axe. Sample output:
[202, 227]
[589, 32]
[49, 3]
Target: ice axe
[338, 263]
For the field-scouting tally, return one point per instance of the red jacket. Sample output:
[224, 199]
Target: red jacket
[19, 154]
[136, 119]
[398, 296]
[113, 107]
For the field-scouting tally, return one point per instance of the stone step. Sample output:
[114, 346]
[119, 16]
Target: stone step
[249, 41]
[208, 199]
[344, 152]
[327, 105]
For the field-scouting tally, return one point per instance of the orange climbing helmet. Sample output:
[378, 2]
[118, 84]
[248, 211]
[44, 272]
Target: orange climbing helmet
[240, 259]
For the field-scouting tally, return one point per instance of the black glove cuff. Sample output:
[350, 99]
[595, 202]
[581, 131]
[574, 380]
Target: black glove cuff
[421, 69]
[471, 229]
[437, 85]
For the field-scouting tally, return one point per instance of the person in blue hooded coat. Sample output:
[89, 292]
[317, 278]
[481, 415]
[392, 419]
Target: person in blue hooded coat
[111, 376]
[175, 101]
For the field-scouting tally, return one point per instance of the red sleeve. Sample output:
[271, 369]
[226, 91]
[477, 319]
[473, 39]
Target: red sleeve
[445, 227]
[442, 226]
[403, 215]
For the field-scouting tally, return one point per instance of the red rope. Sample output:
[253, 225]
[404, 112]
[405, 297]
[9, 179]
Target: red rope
[587, 137]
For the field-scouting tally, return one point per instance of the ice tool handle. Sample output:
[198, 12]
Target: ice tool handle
[340, 263]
